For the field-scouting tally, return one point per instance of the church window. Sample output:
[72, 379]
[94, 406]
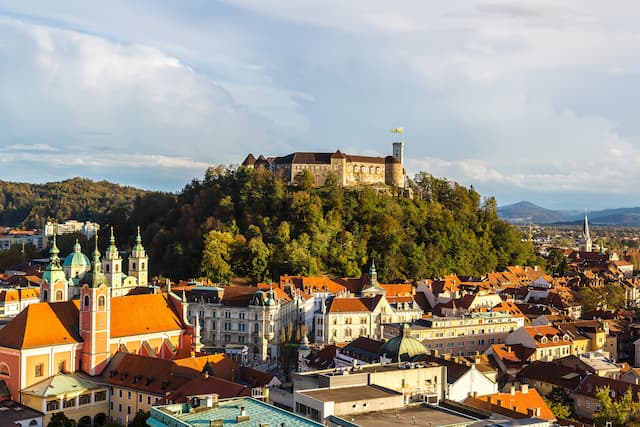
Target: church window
[142, 266]
[45, 295]
[116, 268]
[133, 265]
[86, 300]
[59, 295]
[101, 302]
[107, 268]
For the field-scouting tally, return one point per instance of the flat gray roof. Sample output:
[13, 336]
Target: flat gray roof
[349, 394]
[422, 415]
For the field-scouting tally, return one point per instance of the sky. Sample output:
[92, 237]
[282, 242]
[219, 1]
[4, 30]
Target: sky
[524, 100]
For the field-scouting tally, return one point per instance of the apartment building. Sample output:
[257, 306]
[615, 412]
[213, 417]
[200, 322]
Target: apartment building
[460, 335]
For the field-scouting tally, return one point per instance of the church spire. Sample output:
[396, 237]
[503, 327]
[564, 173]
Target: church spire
[586, 236]
[112, 250]
[54, 259]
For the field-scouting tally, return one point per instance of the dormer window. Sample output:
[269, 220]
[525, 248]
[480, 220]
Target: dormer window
[555, 338]
[544, 340]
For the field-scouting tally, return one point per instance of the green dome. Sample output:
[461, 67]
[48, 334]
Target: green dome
[403, 347]
[77, 258]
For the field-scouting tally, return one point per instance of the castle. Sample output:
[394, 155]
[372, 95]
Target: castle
[349, 170]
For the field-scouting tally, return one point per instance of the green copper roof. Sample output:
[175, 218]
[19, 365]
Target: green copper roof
[138, 249]
[112, 250]
[77, 258]
[403, 347]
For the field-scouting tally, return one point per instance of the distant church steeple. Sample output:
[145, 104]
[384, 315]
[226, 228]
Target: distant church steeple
[586, 236]
[373, 289]
[139, 262]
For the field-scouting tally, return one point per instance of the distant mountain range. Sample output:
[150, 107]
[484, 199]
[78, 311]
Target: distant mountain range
[523, 212]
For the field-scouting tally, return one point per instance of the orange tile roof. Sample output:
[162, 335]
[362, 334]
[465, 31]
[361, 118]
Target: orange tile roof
[398, 290]
[27, 329]
[130, 315]
[221, 364]
[11, 295]
[538, 332]
[349, 305]
[142, 314]
[518, 403]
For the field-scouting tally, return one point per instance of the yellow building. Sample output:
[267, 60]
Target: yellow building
[79, 397]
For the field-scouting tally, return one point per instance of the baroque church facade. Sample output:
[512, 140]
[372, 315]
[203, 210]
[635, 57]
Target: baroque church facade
[61, 281]
[84, 318]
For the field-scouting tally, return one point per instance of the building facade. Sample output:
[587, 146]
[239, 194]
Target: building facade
[348, 170]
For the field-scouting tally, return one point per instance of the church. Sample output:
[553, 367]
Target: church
[85, 317]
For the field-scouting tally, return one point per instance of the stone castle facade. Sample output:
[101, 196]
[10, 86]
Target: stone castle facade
[349, 170]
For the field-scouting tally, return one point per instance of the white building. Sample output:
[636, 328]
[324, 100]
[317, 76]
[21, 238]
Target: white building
[87, 228]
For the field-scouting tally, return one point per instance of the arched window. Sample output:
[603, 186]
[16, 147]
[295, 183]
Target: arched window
[355, 169]
[370, 169]
[256, 328]
[45, 295]
[59, 295]
[102, 302]
[142, 266]
[4, 370]
[86, 300]
[107, 268]
[362, 169]
[133, 266]
[117, 269]
[33, 423]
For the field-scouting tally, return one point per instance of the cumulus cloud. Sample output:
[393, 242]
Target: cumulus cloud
[96, 104]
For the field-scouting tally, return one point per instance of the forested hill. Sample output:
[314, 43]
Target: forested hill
[29, 205]
[247, 222]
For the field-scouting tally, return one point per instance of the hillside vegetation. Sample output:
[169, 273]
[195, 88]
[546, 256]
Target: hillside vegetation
[30, 205]
[247, 222]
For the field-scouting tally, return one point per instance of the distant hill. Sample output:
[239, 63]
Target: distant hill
[29, 205]
[521, 212]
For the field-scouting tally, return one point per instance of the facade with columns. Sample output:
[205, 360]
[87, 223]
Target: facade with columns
[63, 337]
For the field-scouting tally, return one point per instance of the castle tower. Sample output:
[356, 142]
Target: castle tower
[112, 267]
[95, 318]
[586, 245]
[138, 262]
[54, 286]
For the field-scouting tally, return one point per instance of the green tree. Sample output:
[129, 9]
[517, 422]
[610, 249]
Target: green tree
[216, 256]
[59, 419]
[620, 412]
[557, 263]
[140, 419]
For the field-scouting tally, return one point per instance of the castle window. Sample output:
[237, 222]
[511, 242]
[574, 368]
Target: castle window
[362, 169]
[101, 302]
[377, 170]
[370, 169]
[355, 169]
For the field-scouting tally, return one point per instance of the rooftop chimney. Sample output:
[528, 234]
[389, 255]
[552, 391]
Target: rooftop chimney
[513, 390]
[524, 388]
